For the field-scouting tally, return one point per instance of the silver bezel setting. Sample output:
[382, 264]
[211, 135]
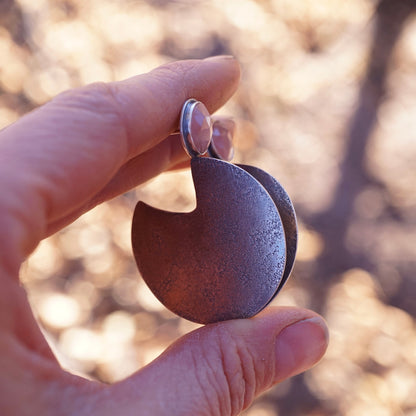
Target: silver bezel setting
[185, 128]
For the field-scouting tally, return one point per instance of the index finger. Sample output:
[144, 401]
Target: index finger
[61, 155]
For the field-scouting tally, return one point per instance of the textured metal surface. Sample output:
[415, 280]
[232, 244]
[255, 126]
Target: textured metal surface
[287, 214]
[222, 261]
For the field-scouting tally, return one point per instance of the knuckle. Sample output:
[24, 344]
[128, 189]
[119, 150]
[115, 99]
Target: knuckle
[175, 74]
[97, 103]
[231, 373]
[239, 371]
[98, 98]
[173, 70]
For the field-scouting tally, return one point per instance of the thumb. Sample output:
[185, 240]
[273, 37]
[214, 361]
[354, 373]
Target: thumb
[221, 368]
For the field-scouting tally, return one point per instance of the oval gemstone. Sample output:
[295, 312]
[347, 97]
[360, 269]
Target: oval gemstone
[200, 129]
[222, 139]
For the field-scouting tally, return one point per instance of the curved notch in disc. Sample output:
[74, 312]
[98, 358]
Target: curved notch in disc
[224, 260]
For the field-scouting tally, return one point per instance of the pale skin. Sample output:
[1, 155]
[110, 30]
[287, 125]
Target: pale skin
[84, 147]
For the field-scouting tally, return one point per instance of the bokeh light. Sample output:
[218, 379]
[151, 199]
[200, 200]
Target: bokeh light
[327, 105]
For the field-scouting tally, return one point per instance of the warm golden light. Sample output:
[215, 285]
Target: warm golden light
[306, 80]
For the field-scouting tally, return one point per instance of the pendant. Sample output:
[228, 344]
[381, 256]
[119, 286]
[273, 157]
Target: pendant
[229, 257]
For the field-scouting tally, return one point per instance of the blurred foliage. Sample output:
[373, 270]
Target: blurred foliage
[327, 105]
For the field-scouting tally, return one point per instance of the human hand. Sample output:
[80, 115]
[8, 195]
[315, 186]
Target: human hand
[82, 148]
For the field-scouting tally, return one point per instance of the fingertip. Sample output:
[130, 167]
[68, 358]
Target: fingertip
[228, 61]
[224, 71]
[300, 346]
[230, 69]
[293, 339]
[220, 58]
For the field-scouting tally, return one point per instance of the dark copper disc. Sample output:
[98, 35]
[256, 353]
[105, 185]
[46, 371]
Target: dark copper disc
[224, 260]
[287, 214]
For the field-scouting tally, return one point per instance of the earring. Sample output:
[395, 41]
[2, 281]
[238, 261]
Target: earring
[229, 257]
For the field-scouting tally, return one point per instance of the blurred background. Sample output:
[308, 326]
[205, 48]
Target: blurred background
[327, 105]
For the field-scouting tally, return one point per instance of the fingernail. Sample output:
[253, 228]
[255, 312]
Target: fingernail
[220, 58]
[300, 346]
[222, 139]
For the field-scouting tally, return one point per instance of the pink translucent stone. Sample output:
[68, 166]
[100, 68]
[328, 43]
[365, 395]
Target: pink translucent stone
[200, 131]
[222, 139]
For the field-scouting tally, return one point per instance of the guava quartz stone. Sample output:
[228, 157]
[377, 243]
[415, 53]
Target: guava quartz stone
[200, 129]
[222, 140]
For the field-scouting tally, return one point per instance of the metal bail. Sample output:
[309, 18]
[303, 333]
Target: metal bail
[195, 127]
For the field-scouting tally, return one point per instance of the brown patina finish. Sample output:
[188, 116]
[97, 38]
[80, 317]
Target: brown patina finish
[224, 260]
[287, 214]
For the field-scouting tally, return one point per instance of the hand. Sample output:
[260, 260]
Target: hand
[82, 148]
